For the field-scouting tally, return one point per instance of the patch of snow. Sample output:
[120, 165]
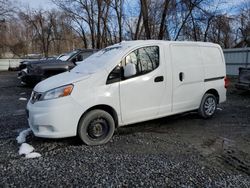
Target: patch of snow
[220, 109]
[23, 93]
[22, 99]
[25, 149]
[22, 136]
[32, 155]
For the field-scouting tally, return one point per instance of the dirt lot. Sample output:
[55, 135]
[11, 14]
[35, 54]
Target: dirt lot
[177, 151]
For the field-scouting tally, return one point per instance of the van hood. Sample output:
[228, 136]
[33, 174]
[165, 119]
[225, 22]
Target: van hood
[61, 80]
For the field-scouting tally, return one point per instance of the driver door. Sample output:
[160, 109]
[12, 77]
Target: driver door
[141, 94]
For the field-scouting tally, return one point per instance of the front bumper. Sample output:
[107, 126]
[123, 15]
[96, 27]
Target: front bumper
[29, 79]
[56, 118]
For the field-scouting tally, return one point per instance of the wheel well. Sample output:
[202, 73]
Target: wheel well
[215, 93]
[106, 108]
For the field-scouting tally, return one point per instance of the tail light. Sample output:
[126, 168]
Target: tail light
[226, 82]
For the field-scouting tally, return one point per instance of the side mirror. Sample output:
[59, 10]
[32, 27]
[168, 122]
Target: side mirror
[129, 70]
[73, 60]
[79, 58]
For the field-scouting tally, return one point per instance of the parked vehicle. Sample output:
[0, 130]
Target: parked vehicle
[126, 83]
[243, 79]
[32, 72]
[23, 64]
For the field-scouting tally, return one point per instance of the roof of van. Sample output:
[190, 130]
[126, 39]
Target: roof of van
[148, 42]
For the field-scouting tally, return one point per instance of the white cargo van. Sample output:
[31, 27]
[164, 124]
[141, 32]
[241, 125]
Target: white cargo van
[126, 83]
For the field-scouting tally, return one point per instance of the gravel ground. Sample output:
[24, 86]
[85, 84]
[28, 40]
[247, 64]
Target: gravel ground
[176, 151]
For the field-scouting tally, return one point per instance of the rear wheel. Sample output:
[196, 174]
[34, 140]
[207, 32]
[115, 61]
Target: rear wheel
[208, 106]
[96, 127]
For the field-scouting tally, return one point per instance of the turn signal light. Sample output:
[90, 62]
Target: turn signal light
[67, 90]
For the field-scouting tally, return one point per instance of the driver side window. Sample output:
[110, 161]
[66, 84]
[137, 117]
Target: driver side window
[144, 59]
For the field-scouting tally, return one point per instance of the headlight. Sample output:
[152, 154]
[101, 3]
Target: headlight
[58, 92]
[25, 70]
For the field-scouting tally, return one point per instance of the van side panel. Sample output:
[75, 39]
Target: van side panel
[213, 62]
[215, 70]
[188, 76]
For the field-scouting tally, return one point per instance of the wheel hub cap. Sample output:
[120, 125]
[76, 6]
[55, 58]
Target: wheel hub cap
[210, 105]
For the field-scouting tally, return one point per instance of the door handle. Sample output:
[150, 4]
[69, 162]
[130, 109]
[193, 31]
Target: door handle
[181, 74]
[159, 79]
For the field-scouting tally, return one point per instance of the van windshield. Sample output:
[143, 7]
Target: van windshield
[106, 52]
[99, 60]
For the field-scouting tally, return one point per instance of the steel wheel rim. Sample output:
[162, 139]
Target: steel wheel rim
[209, 106]
[98, 129]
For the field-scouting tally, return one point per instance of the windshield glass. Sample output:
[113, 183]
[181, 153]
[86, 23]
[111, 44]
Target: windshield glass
[105, 52]
[66, 56]
[99, 59]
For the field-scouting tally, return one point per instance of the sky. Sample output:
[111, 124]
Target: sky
[226, 5]
[232, 5]
[36, 4]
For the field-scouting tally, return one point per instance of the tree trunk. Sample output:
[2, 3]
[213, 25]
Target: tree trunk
[163, 20]
[194, 28]
[192, 5]
[118, 8]
[207, 28]
[105, 25]
[144, 10]
[136, 36]
[99, 16]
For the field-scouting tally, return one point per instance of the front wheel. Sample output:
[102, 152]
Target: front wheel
[96, 127]
[208, 106]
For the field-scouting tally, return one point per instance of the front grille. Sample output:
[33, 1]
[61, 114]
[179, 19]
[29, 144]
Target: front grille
[35, 96]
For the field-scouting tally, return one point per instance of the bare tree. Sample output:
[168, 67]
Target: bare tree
[42, 23]
[244, 28]
[163, 19]
[190, 5]
[145, 16]
[117, 5]
[6, 9]
[99, 23]
[81, 12]
[137, 31]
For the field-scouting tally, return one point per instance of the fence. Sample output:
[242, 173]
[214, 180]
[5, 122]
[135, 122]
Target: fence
[235, 58]
[5, 64]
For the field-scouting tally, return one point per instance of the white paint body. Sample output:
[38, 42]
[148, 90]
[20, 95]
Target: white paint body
[136, 99]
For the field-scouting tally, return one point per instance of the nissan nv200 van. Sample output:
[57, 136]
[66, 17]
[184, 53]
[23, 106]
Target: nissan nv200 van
[126, 83]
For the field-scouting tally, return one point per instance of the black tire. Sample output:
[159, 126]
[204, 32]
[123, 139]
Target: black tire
[208, 106]
[96, 127]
